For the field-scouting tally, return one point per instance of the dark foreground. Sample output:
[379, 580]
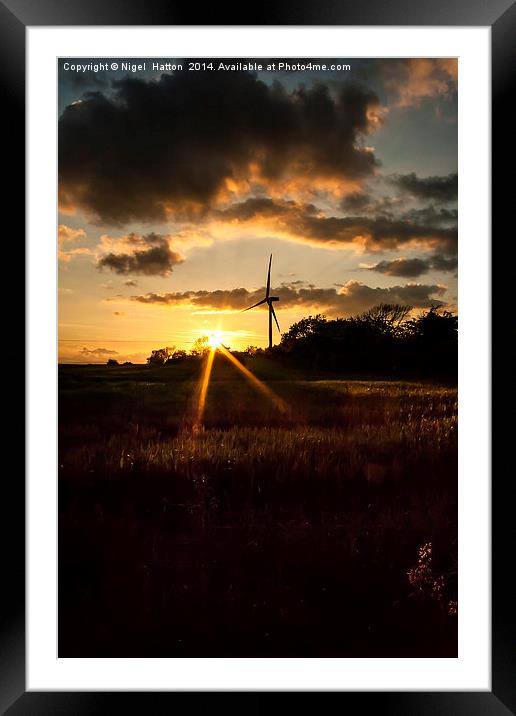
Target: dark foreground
[328, 531]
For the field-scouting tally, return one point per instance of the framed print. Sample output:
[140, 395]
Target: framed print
[258, 356]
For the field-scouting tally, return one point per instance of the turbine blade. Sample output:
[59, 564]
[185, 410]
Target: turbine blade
[274, 314]
[269, 279]
[254, 305]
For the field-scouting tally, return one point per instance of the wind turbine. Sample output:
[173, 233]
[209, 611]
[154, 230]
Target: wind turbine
[269, 301]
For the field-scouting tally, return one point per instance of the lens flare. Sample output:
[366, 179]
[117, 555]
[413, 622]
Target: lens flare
[203, 390]
[280, 404]
[215, 340]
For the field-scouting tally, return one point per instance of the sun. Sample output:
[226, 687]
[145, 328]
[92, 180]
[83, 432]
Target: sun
[215, 340]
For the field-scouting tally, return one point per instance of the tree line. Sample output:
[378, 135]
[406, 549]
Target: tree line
[386, 340]
[171, 354]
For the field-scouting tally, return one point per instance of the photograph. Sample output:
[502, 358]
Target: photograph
[257, 357]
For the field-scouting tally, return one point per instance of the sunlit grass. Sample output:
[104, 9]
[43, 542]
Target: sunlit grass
[259, 532]
[423, 425]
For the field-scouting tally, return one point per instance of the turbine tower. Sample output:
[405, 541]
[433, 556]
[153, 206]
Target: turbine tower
[269, 301]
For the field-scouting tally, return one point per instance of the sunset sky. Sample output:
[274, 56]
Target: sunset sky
[175, 187]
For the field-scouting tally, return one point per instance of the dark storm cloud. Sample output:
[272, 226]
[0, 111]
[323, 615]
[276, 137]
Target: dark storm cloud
[83, 80]
[431, 215]
[411, 268]
[157, 146]
[444, 263]
[435, 187]
[157, 260]
[353, 297]
[362, 203]
[356, 201]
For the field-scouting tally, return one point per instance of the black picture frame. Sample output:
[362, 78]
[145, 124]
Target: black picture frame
[15, 17]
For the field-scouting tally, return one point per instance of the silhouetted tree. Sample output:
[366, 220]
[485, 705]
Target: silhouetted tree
[177, 356]
[160, 356]
[386, 317]
[431, 341]
[112, 361]
[201, 346]
[434, 327]
[382, 340]
[252, 350]
[303, 329]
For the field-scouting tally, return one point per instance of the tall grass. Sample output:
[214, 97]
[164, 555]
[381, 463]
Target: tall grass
[259, 534]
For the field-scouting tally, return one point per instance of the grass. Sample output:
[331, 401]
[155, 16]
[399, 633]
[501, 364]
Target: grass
[261, 533]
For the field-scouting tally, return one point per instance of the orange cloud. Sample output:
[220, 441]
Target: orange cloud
[411, 81]
[259, 133]
[66, 236]
[354, 297]
[305, 223]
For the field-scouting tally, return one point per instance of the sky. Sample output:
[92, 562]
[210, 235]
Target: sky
[176, 185]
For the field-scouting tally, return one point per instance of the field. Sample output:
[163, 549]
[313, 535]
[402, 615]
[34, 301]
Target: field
[325, 529]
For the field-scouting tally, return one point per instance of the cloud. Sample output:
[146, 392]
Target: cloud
[376, 233]
[385, 206]
[410, 81]
[302, 222]
[131, 282]
[431, 215]
[356, 297]
[353, 297]
[66, 236]
[411, 268]
[443, 188]
[176, 144]
[237, 298]
[156, 261]
[97, 352]
[82, 80]
[402, 267]
[261, 208]
[148, 255]
[356, 200]
[444, 263]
